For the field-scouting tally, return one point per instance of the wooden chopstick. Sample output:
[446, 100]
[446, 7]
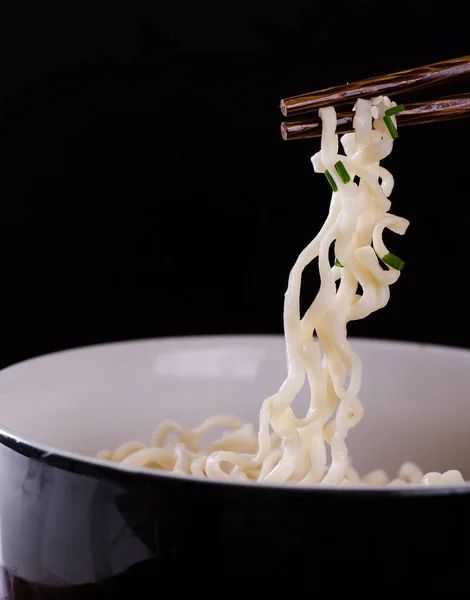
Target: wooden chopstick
[444, 109]
[401, 81]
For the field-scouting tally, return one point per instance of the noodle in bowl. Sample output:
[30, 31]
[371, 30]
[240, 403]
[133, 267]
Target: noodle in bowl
[190, 379]
[311, 449]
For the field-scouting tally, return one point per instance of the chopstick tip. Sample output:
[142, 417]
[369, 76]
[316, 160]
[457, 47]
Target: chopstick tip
[284, 133]
[283, 108]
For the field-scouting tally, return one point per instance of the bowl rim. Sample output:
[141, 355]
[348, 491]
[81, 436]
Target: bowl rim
[102, 469]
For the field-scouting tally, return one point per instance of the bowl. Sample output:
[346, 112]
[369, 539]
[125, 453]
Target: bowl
[72, 526]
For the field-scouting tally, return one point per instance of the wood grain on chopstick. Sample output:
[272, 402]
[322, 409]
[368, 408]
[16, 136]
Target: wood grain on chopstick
[402, 81]
[416, 113]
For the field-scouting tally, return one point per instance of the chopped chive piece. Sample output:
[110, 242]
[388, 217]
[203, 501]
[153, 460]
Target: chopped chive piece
[337, 263]
[341, 170]
[393, 261]
[331, 181]
[391, 127]
[394, 110]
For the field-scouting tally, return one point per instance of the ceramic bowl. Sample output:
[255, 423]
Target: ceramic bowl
[72, 526]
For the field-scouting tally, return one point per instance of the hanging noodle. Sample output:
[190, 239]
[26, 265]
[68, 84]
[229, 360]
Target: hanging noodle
[312, 449]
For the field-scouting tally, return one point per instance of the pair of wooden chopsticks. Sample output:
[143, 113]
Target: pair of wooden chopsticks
[443, 109]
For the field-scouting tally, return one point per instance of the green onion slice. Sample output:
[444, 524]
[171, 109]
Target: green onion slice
[337, 263]
[391, 127]
[394, 110]
[331, 181]
[393, 261]
[342, 172]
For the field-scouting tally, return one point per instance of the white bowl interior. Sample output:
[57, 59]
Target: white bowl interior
[416, 397]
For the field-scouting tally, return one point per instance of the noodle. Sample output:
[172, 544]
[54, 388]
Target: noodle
[312, 449]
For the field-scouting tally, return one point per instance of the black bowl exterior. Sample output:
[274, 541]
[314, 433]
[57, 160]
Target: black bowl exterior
[74, 529]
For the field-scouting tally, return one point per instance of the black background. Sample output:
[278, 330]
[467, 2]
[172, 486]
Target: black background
[145, 189]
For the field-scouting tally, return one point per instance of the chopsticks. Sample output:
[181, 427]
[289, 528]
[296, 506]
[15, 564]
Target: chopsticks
[416, 113]
[453, 107]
